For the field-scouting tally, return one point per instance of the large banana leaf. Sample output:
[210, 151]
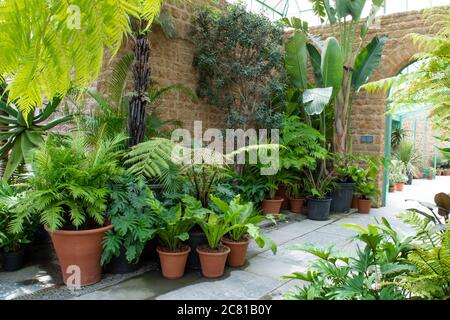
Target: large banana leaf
[315, 62]
[367, 61]
[332, 65]
[356, 8]
[296, 60]
[331, 12]
[315, 100]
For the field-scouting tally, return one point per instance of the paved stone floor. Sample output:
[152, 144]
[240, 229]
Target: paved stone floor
[260, 278]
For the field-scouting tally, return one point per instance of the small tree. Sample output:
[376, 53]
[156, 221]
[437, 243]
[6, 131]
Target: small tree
[240, 61]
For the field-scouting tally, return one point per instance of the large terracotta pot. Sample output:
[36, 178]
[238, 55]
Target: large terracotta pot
[282, 193]
[447, 173]
[399, 186]
[213, 261]
[81, 249]
[297, 205]
[364, 205]
[272, 206]
[173, 263]
[238, 252]
[355, 202]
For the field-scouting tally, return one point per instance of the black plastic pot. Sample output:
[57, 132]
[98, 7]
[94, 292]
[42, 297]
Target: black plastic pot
[196, 238]
[341, 198]
[319, 209]
[149, 253]
[13, 261]
[410, 180]
[120, 264]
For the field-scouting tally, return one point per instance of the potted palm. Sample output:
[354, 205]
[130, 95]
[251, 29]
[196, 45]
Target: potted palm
[68, 193]
[245, 218]
[411, 159]
[368, 194]
[318, 188]
[173, 231]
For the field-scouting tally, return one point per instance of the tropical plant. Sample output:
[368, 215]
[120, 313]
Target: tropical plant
[397, 136]
[347, 168]
[21, 135]
[367, 190]
[428, 85]
[64, 46]
[398, 171]
[372, 274]
[69, 188]
[246, 78]
[176, 222]
[410, 157]
[319, 185]
[133, 219]
[246, 219]
[340, 63]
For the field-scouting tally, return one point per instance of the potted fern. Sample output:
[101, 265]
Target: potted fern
[69, 192]
[368, 194]
[173, 230]
[245, 219]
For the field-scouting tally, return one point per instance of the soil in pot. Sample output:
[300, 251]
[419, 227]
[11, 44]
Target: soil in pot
[13, 261]
[213, 261]
[80, 251]
[399, 186]
[319, 209]
[120, 264]
[196, 239]
[341, 198]
[282, 193]
[354, 202]
[297, 205]
[272, 206]
[238, 252]
[364, 205]
[173, 263]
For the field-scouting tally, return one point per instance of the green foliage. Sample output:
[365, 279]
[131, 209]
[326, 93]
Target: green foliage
[397, 136]
[69, 187]
[319, 185]
[410, 157]
[397, 171]
[348, 168]
[64, 45]
[244, 77]
[176, 222]
[19, 136]
[245, 218]
[367, 189]
[134, 221]
[372, 274]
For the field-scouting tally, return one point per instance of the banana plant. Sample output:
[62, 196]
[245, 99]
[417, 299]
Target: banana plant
[343, 65]
[19, 136]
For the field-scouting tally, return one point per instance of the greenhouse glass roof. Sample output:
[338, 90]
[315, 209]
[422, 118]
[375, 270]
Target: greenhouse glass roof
[276, 9]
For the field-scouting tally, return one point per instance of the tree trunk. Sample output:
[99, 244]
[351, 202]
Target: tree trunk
[141, 77]
[342, 108]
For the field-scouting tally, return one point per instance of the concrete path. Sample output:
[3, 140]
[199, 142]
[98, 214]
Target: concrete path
[260, 277]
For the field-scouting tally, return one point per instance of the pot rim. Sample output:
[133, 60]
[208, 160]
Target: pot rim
[297, 199]
[221, 253]
[365, 200]
[173, 253]
[273, 200]
[225, 241]
[80, 232]
[318, 200]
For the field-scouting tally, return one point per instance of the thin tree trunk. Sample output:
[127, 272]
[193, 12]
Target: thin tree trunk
[141, 78]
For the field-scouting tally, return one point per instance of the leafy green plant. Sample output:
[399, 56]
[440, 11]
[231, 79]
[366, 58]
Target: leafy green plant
[367, 190]
[21, 135]
[244, 217]
[372, 274]
[347, 168]
[69, 188]
[133, 219]
[397, 136]
[176, 222]
[410, 157]
[319, 185]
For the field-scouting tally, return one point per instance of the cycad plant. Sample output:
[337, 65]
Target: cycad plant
[410, 157]
[69, 188]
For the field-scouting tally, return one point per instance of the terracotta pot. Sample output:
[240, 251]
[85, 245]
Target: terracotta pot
[173, 263]
[364, 205]
[430, 177]
[238, 252]
[297, 205]
[447, 173]
[399, 186]
[282, 193]
[355, 202]
[439, 173]
[80, 248]
[213, 261]
[272, 206]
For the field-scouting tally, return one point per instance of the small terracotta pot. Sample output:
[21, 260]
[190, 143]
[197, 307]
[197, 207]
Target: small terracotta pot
[272, 206]
[81, 249]
[399, 186]
[447, 173]
[430, 178]
[439, 173]
[297, 205]
[173, 263]
[238, 252]
[364, 205]
[213, 262]
[355, 202]
[282, 194]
